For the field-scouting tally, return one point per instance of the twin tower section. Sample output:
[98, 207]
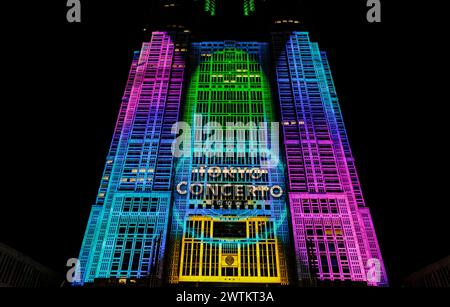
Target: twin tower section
[230, 163]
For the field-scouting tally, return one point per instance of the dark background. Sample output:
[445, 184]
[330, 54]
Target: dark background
[62, 86]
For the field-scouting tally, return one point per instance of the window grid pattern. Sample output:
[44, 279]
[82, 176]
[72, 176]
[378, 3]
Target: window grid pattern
[229, 85]
[334, 237]
[135, 191]
[252, 259]
[323, 184]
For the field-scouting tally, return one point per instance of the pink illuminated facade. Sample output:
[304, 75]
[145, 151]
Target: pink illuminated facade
[152, 224]
[333, 234]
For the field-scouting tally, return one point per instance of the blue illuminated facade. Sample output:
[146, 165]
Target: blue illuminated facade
[230, 163]
[127, 229]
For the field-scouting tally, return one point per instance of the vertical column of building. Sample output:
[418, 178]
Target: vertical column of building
[370, 249]
[277, 176]
[330, 238]
[293, 152]
[127, 229]
[229, 87]
[96, 209]
[164, 166]
[340, 169]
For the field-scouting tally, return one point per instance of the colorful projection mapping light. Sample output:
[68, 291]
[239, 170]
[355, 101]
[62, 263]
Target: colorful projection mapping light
[200, 186]
[229, 89]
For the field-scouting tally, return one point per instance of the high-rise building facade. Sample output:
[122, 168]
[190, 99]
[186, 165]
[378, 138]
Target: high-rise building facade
[230, 163]
[232, 225]
[128, 225]
[333, 234]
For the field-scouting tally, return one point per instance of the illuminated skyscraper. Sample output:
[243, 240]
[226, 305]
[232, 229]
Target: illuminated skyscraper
[230, 163]
[225, 235]
[127, 229]
[333, 232]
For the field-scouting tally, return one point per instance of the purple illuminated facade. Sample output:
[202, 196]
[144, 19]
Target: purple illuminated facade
[333, 234]
[128, 226]
[144, 228]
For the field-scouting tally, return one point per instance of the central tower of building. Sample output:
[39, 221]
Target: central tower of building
[229, 222]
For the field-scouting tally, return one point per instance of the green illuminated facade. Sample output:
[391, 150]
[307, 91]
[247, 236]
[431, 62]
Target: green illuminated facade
[210, 7]
[248, 6]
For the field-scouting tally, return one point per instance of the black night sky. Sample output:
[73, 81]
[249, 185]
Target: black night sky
[63, 84]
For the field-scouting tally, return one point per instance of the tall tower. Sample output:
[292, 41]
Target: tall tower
[230, 162]
[333, 234]
[230, 221]
[127, 229]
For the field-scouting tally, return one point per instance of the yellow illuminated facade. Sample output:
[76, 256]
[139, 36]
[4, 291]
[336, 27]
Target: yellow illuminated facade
[230, 249]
